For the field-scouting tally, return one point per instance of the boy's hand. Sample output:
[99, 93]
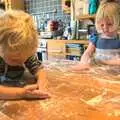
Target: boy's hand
[42, 86]
[42, 82]
[32, 92]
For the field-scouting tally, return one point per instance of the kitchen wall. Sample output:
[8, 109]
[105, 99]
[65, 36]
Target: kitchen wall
[43, 10]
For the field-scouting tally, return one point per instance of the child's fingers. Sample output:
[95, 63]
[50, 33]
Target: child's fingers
[31, 87]
[80, 67]
[41, 93]
[37, 94]
[37, 97]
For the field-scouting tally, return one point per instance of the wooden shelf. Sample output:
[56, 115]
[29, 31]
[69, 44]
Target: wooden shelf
[84, 17]
[67, 11]
[57, 48]
[56, 42]
[73, 54]
[14, 4]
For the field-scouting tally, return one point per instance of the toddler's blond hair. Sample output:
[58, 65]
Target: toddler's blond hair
[110, 10]
[17, 32]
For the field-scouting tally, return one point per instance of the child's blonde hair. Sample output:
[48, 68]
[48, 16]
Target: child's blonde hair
[110, 10]
[17, 32]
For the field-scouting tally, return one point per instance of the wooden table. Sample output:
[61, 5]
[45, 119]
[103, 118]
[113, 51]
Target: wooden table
[86, 95]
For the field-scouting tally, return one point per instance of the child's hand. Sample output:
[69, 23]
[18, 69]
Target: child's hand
[43, 87]
[80, 67]
[42, 82]
[32, 92]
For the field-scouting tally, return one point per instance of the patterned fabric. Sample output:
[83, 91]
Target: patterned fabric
[16, 72]
[106, 48]
[33, 64]
[2, 66]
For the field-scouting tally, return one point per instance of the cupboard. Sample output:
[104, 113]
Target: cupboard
[14, 4]
[56, 49]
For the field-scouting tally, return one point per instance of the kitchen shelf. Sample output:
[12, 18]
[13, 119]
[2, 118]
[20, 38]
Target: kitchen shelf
[67, 11]
[73, 54]
[57, 48]
[84, 17]
[14, 4]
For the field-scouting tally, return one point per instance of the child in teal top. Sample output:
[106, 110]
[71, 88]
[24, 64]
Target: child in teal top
[106, 45]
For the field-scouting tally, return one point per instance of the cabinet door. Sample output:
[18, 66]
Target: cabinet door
[56, 49]
[14, 4]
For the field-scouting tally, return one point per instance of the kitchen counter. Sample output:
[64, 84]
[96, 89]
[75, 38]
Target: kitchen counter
[86, 95]
[56, 49]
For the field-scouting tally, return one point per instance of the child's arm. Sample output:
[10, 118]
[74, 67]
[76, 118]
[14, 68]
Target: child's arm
[36, 68]
[85, 61]
[86, 57]
[115, 61]
[11, 92]
[42, 80]
[28, 92]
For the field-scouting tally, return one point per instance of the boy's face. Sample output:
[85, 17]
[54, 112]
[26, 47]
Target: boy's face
[14, 58]
[107, 27]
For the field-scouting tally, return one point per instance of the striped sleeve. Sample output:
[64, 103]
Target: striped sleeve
[2, 66]
[33, 64]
